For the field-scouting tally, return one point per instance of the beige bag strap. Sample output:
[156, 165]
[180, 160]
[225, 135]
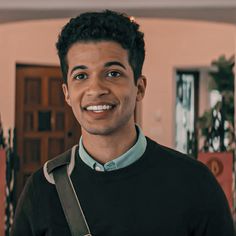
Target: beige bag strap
[57, 171]
[70, 203]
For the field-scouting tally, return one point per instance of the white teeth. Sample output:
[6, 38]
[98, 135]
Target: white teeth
[98, 108]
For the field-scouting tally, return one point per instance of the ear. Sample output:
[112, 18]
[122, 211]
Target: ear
[66, 93]
[141, 85]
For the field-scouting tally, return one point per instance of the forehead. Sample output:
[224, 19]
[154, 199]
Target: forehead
[91, 52]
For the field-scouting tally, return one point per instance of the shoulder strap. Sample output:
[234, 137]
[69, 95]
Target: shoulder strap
[70, 203]
[66, 158]
[60, 169]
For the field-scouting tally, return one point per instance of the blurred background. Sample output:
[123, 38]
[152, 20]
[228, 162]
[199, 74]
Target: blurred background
[189, 102]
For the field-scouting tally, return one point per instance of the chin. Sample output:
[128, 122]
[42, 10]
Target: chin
[100, 131]
[108, 128]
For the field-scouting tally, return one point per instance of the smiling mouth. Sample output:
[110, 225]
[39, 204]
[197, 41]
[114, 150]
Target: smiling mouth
[99, 108]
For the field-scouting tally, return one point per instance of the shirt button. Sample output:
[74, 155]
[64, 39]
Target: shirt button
[97, 168]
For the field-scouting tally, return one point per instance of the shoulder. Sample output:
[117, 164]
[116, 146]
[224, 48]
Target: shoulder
[43, 176]
[38, 191]
[41, 181]
[66, 158]
[179, 165]
[172, 156]
[183, 172]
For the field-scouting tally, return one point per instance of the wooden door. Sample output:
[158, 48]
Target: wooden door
[45, 125]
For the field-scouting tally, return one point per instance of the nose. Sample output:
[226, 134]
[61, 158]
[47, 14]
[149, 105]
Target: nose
[96, 88]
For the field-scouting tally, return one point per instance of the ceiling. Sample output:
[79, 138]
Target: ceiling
[209, 10]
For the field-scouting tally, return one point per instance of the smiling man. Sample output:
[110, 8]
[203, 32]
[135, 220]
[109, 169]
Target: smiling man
[102, 92]
[127, 184]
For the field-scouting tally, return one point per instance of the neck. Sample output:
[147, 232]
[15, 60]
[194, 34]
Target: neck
[104, 148]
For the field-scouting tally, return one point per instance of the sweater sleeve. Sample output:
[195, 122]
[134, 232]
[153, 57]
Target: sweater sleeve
[23, 224]
[214, 216]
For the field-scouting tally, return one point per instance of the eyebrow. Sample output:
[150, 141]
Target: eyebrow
[79, 67]
[114, 63]
[108, 64]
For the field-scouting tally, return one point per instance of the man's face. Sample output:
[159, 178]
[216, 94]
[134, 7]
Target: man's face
[100, 87]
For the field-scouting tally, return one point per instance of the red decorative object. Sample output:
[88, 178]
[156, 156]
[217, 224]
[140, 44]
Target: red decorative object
[221, 165]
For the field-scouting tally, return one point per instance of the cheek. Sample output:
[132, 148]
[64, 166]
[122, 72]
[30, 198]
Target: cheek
[130, 100]
[75, 101]
[75, 95]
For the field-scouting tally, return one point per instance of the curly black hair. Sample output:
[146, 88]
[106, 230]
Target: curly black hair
[103, 26]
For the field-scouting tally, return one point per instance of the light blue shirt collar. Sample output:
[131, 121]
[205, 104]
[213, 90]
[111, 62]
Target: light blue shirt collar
[126, 159]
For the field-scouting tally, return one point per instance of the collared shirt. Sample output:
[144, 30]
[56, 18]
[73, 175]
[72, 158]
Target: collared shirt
[126, 159]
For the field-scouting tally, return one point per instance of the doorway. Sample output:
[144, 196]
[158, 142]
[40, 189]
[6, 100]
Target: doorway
[45, 124]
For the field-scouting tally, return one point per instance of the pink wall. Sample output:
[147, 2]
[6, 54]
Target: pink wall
[173, 44]
[169, 44]
[23, 42]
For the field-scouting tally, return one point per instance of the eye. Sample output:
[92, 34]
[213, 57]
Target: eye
[80, 76]
[113, 74]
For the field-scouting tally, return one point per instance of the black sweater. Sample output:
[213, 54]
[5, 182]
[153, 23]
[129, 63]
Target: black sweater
[164, 193]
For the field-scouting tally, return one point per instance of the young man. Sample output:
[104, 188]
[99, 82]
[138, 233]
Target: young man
[126, 183]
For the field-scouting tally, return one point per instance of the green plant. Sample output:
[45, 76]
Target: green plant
[223, 75]
[223, 78]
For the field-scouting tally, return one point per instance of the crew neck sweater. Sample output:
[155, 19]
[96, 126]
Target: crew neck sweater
[164, 193]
